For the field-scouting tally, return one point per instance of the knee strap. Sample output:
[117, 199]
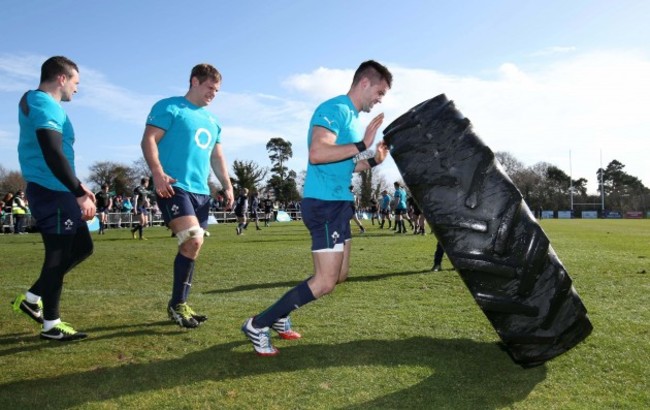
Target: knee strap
[192, 232]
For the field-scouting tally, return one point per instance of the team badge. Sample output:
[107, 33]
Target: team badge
[68, 224]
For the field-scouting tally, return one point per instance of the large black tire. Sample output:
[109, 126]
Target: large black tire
[490, 236]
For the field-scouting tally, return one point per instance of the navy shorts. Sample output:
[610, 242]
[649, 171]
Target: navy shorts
[56, 212]
[328, 223]
[184, 203]
[401, 211]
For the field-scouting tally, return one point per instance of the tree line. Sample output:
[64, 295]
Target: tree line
[283, 183]
[543, 185]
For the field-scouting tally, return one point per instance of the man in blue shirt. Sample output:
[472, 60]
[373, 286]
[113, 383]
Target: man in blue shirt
[384, 210]
[181, 141]
[58, 200]
[400, 208]
[335, 138]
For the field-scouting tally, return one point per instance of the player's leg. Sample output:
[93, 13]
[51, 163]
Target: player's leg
[144, 221]
[329, 225]
[58, 212]
[180, 214]
[437, 258]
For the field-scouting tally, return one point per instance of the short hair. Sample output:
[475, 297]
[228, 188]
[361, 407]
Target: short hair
[144, 179]
[396, 184]
[104, 186]
[374, 71]
[55, 66]
[204, 72]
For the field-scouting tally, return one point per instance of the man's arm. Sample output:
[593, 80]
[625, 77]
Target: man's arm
[163, 182]
[380, 155]
[323, 148]
[51, 144]
[220, 168]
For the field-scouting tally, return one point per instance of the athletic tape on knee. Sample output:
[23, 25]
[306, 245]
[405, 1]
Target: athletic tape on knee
[185, 235]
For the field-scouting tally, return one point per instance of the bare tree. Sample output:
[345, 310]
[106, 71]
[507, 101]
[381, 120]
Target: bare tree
[11, 181]
[121, 178]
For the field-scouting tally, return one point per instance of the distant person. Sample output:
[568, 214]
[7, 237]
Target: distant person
[334, 138]
[181, 142]
[104, 205]
[418, 217]
[127, 205]
[385, 209]
[374, 210]
[254, 210]
[241, 208]
[355, 207]
[400, 208]
[141, 205]
[59, 201]
[8, 218]
[2, 215]
[268, 210]
[19, 211]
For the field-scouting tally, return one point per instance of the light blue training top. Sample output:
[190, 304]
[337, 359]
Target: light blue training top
[400, 195]
[43, 112]
[191, 133]
[331, 181]
[385, 201]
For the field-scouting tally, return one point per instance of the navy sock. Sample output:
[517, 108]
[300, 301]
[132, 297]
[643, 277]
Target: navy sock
[188, 283]
[183, 268]
[293, 299]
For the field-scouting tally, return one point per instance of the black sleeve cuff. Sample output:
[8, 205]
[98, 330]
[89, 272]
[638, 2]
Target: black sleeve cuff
[79, 191]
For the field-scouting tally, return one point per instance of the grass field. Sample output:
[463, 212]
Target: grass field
[394, 336]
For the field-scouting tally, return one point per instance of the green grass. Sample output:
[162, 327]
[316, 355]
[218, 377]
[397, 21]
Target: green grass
[394, 336]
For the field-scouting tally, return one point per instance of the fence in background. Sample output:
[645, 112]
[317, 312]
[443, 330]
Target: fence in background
[128, 219]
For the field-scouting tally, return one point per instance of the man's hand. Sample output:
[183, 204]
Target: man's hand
[87, 204]
[381, 152]
[371, 130]
[229, 197]
[163, 184]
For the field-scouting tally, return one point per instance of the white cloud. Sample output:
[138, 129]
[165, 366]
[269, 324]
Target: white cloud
[118, 103]
[583, 103]
[321, 84]
[19, 73]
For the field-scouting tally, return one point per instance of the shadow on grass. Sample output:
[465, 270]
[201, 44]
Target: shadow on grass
[289, 284]
[464, 374]
[29, 342]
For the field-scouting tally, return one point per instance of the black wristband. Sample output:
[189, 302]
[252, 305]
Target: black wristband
[78, 192]
[361, 146]
[372, 162]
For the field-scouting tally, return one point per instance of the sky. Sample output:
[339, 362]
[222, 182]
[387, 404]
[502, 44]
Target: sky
[562, 82]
